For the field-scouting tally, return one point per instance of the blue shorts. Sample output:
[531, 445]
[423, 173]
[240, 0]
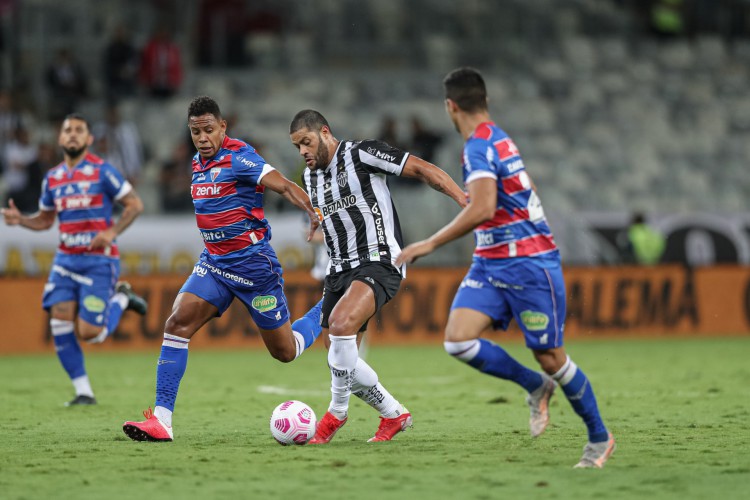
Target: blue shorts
[258, 283]
[87, 280]
[532, 292]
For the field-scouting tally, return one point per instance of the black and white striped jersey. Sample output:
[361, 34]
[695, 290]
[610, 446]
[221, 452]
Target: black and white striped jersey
[354, 204]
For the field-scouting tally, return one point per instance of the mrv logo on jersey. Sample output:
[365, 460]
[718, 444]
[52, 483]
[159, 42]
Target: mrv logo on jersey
[381, 155]
[342, 204]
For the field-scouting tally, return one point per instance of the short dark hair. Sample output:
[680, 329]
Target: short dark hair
[465, 86]
[204, 105]
[310, 119]
[77, 116]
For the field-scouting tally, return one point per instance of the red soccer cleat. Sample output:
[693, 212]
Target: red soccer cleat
[151, 429]
[326, 429]
[389, 427]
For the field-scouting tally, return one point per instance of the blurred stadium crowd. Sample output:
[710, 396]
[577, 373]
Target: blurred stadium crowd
[615, 105]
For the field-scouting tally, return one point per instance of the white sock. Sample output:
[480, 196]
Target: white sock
[121, 299]
[164, 415]
[299, 344]
[465, 350]
[99, 338]
[365, 386]
[83, 386]
[342, 359]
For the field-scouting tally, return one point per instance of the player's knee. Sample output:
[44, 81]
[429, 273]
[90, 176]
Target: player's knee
[550, 360]
[179, 324]
[284, 355]
[89, 332]
[343, 325]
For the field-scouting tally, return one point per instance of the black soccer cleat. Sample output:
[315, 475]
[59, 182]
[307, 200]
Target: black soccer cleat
[135, 302]
[81, 400]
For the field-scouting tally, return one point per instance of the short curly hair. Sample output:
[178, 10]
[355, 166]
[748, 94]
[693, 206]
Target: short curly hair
[204, 105]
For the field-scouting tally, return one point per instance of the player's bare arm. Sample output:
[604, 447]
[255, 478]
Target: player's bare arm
[481, 208]
[275, 181]
[132, 208]
[40, 221]
[434, 177]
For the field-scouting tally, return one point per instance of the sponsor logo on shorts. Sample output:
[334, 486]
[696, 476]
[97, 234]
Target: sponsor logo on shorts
[94, 304]
[534, 321]
[470, 283]
[200, 270]
[263, 303]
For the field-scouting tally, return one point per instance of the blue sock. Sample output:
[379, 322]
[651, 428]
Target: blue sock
[68, 350]
[492, 359]
[170, 369]
[309, 325]
[579, 392]
[117, 305]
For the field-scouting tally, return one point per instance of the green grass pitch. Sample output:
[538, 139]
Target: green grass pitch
[679, 409]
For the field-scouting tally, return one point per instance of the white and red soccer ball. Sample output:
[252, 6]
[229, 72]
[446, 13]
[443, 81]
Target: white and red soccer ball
[293, 422]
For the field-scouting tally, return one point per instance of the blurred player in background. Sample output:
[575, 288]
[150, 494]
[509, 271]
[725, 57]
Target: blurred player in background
[516, 270]
[81, 192]
[346, 181]
[229, 178]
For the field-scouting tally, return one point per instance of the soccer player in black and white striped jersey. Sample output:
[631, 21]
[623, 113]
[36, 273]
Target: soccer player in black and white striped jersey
[346, 182]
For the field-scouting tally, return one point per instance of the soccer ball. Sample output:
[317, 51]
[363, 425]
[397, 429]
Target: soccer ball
[293, 422]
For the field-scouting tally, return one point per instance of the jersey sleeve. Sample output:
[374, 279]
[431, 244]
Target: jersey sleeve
[379, 157]
[46, 200]
[248, 166]
[479, 156]
[114, 184]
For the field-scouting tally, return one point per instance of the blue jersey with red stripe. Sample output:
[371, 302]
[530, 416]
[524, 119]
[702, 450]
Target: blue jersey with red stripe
[83, 197]
[228, 199]
[519, 227]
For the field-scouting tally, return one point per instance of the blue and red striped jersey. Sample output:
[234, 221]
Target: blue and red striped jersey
[228, 199]
[83, 197]
[519, 227]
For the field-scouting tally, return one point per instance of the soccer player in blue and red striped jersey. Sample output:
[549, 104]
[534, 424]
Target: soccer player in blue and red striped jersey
[229, 179]
[515, 273]
[81, 192]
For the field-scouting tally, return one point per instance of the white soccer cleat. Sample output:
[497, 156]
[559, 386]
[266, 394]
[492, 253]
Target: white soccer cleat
[595, 454]
[538, 402]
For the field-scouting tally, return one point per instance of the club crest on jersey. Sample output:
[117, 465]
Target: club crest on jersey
[215, 173]
[88, 170]
[84, 186]
[341, 178]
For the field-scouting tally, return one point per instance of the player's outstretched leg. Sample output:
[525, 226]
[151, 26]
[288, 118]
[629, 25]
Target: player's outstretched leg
[394, 417]
[579, 392]
[492, 359]
[169, 372]
[71, 358]
[123, 299]
[307, 328]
